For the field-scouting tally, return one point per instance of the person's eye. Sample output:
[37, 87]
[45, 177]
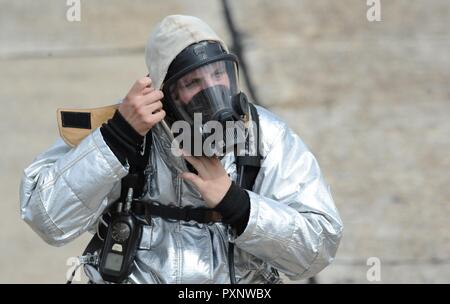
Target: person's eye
[192, 83]
[219, 73]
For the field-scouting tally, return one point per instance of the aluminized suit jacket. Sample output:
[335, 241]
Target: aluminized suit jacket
[293, 227]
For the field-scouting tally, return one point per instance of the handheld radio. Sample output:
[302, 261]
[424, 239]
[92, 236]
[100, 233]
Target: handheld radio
[120, 245]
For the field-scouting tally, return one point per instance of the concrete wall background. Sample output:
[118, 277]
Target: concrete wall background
[371, 100]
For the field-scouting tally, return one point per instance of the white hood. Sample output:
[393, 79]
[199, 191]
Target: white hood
[172, 35]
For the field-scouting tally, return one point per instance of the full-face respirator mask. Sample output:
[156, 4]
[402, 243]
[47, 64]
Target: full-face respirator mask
[202, 98]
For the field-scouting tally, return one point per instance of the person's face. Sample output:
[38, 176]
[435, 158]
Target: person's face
[204, 77]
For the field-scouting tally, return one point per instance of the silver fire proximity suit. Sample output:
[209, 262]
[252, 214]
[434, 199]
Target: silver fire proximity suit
[293, 227]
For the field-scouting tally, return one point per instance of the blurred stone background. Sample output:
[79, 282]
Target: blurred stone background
[371, 100]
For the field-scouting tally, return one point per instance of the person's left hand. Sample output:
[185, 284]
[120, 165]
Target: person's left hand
[212, 180]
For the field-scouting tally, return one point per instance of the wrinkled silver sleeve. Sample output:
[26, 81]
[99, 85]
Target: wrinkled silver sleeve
[64, 190]
[294, 224]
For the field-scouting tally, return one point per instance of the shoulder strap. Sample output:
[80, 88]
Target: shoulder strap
[248, 166]
[136, 175]
[136, 179]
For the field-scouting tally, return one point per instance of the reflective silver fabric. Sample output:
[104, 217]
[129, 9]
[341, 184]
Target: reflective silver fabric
[294, 226]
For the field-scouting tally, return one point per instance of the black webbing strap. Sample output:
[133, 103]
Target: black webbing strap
[247, 168]
[135, 179]
[200, 215]
[250, 164]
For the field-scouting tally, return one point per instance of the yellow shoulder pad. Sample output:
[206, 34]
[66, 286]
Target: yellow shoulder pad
[75, 124]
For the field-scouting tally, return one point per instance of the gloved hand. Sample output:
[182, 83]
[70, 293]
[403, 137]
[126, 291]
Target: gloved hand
[142, 106]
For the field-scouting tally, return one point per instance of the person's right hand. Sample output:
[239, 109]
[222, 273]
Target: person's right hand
[142, 107]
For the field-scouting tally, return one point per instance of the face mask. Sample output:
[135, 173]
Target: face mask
[214, 103]
[201, 89]
[218, 122]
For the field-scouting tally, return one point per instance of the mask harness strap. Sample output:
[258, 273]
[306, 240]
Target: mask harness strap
[247, 168]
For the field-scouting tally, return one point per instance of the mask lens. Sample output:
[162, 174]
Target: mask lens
[206, 90]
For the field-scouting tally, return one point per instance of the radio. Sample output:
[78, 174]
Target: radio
[121, 242]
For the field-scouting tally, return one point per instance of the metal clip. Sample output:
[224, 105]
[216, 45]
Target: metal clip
[91, 259]
[128, 200]
[142, 148]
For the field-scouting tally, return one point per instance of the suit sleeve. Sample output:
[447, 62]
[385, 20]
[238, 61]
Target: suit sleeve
[293, 225]
[64, 190]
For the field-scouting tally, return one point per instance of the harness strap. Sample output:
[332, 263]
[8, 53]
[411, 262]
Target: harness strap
[147, 210]
[248, 165]
[200, 215]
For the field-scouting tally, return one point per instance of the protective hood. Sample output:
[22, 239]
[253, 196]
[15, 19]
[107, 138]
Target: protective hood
[186, 47]
[172, 35]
